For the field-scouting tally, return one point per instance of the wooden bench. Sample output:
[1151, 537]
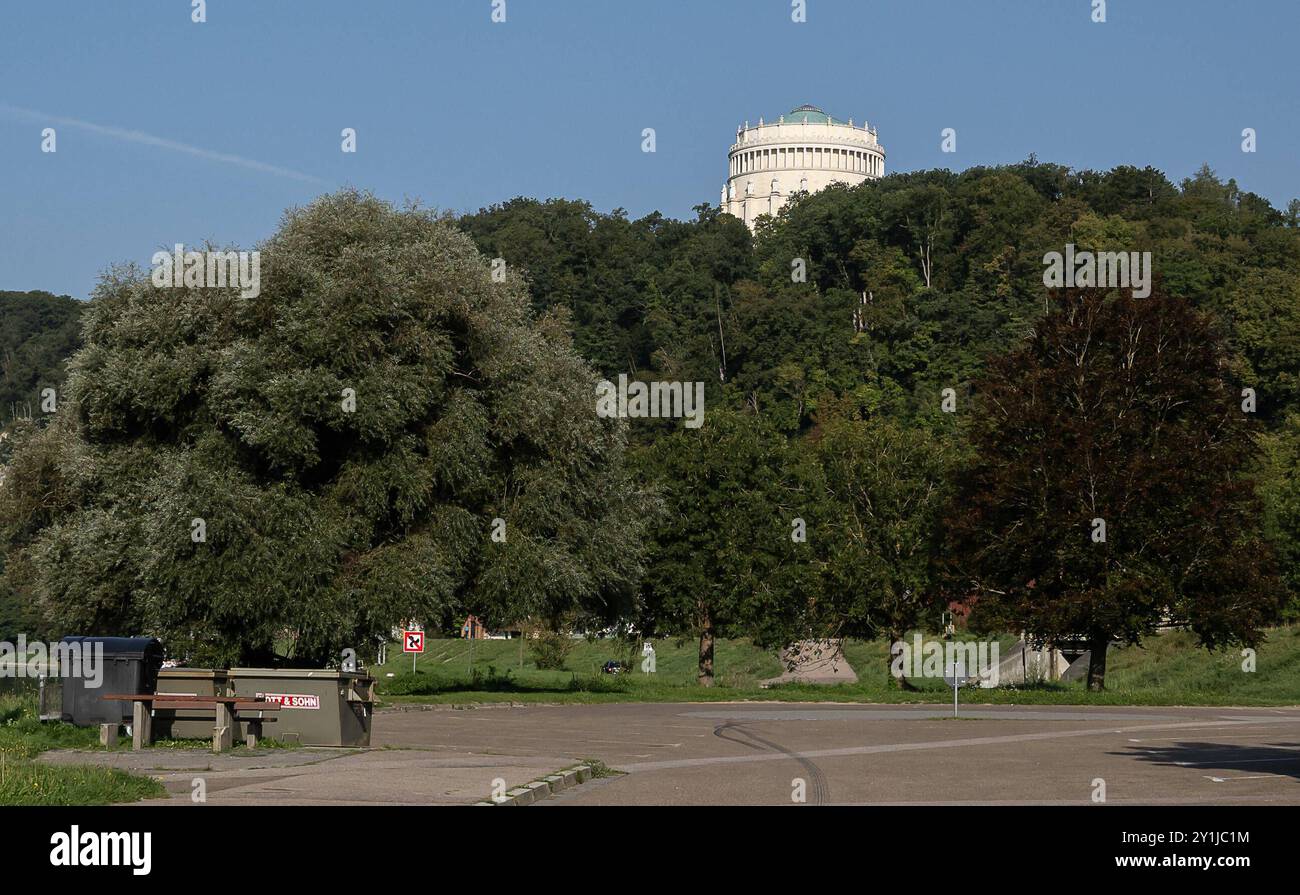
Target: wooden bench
[223, 707]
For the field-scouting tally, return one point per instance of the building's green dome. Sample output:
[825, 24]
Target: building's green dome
[811, 114]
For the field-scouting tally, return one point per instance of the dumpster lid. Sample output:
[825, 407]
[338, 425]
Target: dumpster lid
[326, 674]
[129, 647]
[181, 671]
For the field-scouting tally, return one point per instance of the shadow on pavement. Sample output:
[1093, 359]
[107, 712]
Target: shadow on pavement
[1274, 758]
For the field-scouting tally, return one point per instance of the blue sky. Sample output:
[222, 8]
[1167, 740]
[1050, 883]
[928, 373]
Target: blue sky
[460, 113]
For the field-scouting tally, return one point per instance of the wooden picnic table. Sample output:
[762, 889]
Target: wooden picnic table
[224, 708]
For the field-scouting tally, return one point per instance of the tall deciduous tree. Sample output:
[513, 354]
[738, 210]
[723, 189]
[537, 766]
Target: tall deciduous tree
[1279, 478]
[886, 492]
[725, 560]
[1106, 495]
[324, 460]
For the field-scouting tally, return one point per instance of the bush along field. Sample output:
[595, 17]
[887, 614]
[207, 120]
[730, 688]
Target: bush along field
[24, 781]
[1168, 669]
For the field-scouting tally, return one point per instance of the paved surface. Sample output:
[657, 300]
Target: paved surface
[705, 754]
[324, 776]
[755, 753]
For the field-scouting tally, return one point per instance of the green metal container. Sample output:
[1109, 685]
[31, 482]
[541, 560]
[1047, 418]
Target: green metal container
[189, 723]
[318, 707]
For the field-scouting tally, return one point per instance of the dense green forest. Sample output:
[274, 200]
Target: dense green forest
[913, 281]
[38, 332]
[853, 351]
[911, 285]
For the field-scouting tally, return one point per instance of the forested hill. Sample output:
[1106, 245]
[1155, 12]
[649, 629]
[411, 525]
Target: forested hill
[38, 332]
[911, 281]
[825, 342]
[866, 303]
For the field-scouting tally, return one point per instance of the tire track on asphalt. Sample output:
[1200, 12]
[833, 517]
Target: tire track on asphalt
[818, 791]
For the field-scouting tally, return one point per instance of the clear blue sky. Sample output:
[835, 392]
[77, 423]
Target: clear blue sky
[461, 113]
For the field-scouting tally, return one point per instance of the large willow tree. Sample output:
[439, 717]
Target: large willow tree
[323, 461]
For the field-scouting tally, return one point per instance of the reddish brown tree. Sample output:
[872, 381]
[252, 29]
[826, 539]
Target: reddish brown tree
[1105, 495]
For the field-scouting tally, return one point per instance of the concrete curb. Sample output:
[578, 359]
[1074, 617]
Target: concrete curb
[544, 788]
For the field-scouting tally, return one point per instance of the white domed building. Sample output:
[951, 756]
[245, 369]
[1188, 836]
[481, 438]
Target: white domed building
[805, 150]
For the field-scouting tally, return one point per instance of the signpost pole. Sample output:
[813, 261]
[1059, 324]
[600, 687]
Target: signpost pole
[955, 674]
[413, 643]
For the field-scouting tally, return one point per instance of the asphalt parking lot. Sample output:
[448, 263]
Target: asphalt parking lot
[767, 753]
[705, 754]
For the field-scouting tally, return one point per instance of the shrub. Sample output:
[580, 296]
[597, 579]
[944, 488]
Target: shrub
[550, 650]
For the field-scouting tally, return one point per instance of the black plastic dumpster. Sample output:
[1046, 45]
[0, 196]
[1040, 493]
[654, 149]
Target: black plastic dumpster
[107, 665]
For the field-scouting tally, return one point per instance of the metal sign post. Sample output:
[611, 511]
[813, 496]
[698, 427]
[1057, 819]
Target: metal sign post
[955, 675]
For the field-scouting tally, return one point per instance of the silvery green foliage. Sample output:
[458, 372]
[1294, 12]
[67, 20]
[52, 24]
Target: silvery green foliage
[887, 485]
[324, 526]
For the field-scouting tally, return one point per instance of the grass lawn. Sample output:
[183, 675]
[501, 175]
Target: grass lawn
[446, 673]
[26, 782]
[1168, 669]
